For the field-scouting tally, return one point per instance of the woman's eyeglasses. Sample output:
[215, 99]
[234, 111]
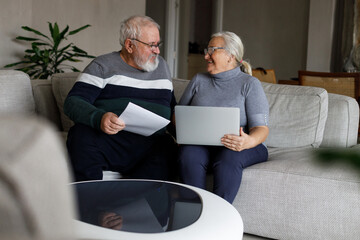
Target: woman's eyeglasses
[211, 50]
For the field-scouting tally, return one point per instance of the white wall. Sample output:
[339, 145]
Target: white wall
[104, 16]
[12, 17]
[320, 36]
[274, 32]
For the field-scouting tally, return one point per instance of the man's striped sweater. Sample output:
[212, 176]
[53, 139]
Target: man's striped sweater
[108, 84]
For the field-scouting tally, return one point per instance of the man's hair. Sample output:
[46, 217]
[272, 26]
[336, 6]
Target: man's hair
[131, 27]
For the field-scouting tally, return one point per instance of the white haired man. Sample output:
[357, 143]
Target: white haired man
[134, 74]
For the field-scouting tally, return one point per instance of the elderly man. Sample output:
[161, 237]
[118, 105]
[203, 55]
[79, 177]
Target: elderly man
[136, 74]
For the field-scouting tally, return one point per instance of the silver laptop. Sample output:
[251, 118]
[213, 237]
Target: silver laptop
[205, 125]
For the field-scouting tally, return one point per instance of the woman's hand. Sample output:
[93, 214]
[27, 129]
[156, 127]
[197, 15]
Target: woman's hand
[111, 123]
[244, 141]
[236, 143]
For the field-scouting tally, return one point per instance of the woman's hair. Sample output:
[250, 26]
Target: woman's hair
[235, 47]
[131, 27]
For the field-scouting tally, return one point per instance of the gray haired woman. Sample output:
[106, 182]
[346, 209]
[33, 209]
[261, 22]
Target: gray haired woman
[228, 83]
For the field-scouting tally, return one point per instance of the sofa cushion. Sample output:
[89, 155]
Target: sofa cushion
[45, 103]
[297, 115]
[62, 84]
[179, 87]
[292, 191]
[15, 92]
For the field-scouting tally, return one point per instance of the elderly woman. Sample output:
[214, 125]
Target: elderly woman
[228, 83]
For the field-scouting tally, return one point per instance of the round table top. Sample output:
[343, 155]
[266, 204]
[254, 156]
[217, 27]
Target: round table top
[147, 209]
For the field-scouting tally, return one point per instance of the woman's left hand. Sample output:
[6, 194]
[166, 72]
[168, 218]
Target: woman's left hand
[234, 142]
[245, 141]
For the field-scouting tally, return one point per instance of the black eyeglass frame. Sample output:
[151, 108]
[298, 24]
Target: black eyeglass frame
[152, 46]
[206, 50]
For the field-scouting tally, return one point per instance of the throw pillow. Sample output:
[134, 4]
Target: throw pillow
[62, 84]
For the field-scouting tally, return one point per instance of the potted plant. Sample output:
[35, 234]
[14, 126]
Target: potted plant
[47, 56]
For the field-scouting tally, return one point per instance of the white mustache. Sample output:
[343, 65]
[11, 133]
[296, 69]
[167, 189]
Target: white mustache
[153, 55]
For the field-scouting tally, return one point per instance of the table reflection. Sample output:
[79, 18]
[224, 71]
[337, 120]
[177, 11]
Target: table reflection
[137, 206]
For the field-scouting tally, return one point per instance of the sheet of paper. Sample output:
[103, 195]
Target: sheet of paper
[141, 121]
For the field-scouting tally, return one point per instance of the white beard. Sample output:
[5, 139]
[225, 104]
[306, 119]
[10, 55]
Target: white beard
[147, 65]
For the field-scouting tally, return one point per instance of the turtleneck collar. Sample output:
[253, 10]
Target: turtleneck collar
[226, 75]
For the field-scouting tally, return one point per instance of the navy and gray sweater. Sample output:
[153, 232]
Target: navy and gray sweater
[108, 84]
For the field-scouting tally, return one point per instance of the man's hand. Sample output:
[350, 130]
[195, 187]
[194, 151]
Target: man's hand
[111, 123]
[110, 220]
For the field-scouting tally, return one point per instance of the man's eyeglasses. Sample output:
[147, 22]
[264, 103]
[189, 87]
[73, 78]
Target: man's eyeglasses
[152, 46]
[211, 50]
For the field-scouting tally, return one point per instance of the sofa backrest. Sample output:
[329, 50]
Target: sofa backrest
[297, 115]
[45, 103]
[300, 116]
[15, 93]
[179, 87]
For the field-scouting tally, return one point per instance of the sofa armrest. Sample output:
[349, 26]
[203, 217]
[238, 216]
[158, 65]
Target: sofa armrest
[341, 128]
[15, 93]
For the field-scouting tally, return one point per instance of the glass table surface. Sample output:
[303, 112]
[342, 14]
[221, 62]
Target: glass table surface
[140, 206]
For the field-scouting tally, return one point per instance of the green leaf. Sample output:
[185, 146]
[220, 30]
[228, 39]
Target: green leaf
[40, 44]
[79, 29]
[36, 50]
[78, 50]
[74, 60]
[89, 56]
[14, 64]
[64, 48]
[29, 51]
[46, 55]
[55, 34]
[74, 69]
[51, 29]
[43, 58]
[29, 56]
[56, 29]
[29, 68]
[81, 52]
[26, 38]
[34, 31]
[63, 59]
[63, 32]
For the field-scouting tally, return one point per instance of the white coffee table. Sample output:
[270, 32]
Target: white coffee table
[217, 219]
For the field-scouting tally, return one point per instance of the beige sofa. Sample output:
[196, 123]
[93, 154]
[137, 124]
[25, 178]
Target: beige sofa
[290, 196]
